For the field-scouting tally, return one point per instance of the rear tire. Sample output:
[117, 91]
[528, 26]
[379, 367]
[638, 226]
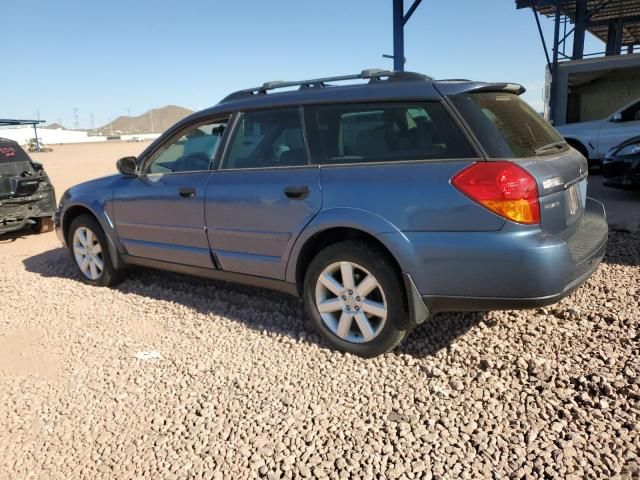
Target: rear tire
[361, 297]
[89, 250]
[42, 225]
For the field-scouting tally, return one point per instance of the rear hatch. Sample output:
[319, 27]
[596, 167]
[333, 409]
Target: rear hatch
[18, 178]
[509, 130]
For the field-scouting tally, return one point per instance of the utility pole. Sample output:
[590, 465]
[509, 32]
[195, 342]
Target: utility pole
[92, 122]
[399, 20]
[151, 119]
[76, 122]
[129, 118]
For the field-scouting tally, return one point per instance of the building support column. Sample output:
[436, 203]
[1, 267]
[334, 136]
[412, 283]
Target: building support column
[553, 113]
[580, 28]
[614, 37]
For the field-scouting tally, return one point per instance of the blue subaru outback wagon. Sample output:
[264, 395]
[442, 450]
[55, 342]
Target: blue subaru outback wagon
[379, 201]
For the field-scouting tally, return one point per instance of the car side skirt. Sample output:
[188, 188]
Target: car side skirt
[232, 277]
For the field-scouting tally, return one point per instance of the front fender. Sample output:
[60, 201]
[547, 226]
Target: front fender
[105, 218]
[343, 217]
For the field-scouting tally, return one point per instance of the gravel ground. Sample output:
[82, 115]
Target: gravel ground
[243, 389]
[169, 376]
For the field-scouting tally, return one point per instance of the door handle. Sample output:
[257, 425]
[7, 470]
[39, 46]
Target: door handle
[297, 192]
[187, 192]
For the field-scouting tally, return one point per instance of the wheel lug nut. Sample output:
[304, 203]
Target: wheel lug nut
[350, 292]
[348, 307]
[357, 308]
[357, 299]
[344, 297]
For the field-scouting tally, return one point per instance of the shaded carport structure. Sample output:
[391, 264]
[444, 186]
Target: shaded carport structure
[9, 122]
[614, 22]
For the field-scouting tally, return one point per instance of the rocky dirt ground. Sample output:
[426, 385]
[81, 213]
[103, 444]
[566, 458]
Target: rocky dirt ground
[168, 376]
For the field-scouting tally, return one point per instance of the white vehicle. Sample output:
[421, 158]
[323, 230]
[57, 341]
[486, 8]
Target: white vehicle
[593, 139]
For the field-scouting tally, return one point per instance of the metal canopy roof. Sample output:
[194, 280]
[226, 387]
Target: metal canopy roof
[5, 122]
[626, 11]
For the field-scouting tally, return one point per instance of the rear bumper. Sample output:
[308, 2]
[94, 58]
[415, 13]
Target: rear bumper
[17, 213]
[456, 271]
[444, 304]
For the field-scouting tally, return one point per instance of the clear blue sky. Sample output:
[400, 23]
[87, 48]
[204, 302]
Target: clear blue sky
[104, 58]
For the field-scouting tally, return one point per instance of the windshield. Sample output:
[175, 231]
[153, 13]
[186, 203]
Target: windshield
[506, 126]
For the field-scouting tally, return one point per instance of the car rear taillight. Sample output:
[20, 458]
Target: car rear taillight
[502, 187]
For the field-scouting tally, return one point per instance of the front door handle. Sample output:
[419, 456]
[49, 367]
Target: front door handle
[297, 192]
[187, 192]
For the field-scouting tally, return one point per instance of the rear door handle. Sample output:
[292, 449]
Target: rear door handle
[187, 192]
[298, 192]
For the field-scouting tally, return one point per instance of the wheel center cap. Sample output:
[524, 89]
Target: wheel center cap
[349, 303]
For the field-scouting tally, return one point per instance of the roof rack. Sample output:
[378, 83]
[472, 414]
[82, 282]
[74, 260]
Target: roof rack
[373, 75]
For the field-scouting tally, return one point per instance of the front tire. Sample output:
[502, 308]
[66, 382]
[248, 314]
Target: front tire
[355, 299]
[89, 250]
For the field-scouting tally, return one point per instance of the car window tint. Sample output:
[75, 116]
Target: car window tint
[506, 126]
[267, 138]
[385, 132]
[192, 151]
[631, 113]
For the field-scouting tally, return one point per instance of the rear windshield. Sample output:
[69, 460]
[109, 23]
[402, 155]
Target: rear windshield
[11, 152]
[506, 126]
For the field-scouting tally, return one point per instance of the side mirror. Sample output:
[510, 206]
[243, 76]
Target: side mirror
[127, 165]
[616, 117]
[37, 166]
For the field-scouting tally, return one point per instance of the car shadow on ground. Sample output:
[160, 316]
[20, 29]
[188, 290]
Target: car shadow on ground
[257, 308]
[623, 248]
[16, 235]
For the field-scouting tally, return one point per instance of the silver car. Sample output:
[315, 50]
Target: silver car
[595, 138]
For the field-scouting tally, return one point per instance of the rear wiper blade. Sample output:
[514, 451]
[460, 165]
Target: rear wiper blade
[549, 146]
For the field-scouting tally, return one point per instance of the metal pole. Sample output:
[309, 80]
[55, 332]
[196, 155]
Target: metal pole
[612, 35]
[35, 132]
[619, 35]
[580, 28]
[544, 44]
[553, 114]
[398, 35]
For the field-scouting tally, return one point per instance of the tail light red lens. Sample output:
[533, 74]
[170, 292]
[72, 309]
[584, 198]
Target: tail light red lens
[502, 187]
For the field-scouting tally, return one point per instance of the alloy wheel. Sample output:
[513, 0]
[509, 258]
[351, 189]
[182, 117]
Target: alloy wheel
[351, 302]
[88, 253]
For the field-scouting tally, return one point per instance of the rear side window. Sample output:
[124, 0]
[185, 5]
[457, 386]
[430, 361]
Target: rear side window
[506, 126]
[360, 133]
[267, 138]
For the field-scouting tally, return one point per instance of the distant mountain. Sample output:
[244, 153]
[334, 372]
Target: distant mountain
[156, 120]
[53, 126]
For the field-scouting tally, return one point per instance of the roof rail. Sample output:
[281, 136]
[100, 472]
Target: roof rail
[373, 75]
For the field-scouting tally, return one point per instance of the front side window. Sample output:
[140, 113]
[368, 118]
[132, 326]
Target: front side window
[631, 114]
[267, 138]
[506, 126]
[193, 151]
[360, 133]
